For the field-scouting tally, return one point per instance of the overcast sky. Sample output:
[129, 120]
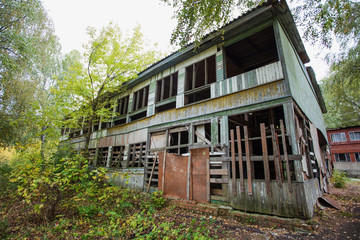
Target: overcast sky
[72, 17]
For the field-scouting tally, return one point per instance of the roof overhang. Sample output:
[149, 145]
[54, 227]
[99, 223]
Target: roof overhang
[264, 12]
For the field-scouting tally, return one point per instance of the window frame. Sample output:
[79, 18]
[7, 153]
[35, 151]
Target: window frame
[346, 155]
[352, 135]
[342, 137]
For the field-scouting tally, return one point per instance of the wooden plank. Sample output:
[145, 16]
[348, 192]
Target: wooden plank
[188, 178]
[265, 158]
[163, 172]
[171, 85]
[219, 180]
[288, 173]
[248, 164]
[152, 172]
[202, 137]
[208, 179]
[279, 158]
[219, 172]
[255, 158]
[276, 155]
[241, 168]
[233, 167]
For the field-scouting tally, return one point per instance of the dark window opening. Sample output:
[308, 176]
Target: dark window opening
[138, 116]
[251, 53]
[166, 87]
[122, 106]
[120, 122]
[140, 98]
[201, 73]
[197, 96]
[177, 140]
[165, 107]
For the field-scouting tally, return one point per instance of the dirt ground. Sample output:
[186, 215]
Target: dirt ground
[328, 223]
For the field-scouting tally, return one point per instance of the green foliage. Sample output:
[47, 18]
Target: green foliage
[339, 179]
[342, 91]
[111, 58]
[29, 53]
[320, 20]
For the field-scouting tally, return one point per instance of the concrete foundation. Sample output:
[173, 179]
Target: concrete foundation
[132, 178]
[351, 168]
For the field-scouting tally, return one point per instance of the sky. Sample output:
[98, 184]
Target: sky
[72, 17]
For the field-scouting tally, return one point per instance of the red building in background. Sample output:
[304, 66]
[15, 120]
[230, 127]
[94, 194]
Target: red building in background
[345, 149]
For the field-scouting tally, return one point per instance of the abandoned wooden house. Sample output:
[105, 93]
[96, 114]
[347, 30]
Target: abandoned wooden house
[239, 120]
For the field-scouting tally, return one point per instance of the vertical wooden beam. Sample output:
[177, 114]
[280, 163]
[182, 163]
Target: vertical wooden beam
[208, 179]
[194, 76]
[276, 155]
[163, 172]
[279, 157]
[288, 174]
[241, 169]
[248, 163]
[179, 141]
[233, 167]
[188, 177]
[133, 155]
[162, 89]
[206, 72]
[171, 85]
[265, 158]
[152, 172]
[140, 155]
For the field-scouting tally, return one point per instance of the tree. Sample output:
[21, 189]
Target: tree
[111, 59]
[28, 52]
[321, 20]
[342, 91]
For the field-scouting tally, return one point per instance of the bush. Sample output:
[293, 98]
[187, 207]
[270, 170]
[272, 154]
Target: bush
[339, 179]
[46, 181]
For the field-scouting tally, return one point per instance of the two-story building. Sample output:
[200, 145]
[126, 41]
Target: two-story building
[237, 119]
[345, 149]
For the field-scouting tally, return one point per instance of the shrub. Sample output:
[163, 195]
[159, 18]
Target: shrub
[339, 179]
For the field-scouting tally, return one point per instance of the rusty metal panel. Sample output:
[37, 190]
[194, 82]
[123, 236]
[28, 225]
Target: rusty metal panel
[175, 180]
[199, 174]
[106, 141]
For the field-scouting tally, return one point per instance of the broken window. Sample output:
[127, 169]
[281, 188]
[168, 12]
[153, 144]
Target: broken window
[140, 101]
[121, 110]
[137, 154]
[117, 157]
[102, 157]
[251, 53]
[199, 76]
[178, 140]
[166, 91]
[140, 98]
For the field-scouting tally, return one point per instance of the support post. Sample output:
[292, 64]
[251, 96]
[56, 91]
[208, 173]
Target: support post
[288, 174]
[265, 158]
[233, 167]
[241, 168]
[248, 163]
